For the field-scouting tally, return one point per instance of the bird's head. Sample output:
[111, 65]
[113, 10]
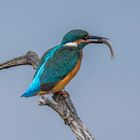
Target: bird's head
[80, 38]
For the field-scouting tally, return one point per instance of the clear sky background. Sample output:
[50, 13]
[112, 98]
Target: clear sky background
[106, 93]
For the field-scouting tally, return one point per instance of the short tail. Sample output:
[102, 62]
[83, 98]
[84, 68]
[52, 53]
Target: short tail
[33, 89]
[28, 94]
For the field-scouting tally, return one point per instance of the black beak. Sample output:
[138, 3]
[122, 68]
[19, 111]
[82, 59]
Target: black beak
[101, 40]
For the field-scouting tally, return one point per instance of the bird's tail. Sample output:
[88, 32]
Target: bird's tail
[29, 93]
[32, 90]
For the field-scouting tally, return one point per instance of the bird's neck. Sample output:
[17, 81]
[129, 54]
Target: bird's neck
[77, 44]
[71, 44]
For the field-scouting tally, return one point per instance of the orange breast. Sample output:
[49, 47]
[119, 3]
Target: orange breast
[67, 79]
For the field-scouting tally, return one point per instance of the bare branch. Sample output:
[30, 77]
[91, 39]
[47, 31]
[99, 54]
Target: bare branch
[59, 103]
[31, 58]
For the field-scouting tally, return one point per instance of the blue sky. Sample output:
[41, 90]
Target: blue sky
[106, 93]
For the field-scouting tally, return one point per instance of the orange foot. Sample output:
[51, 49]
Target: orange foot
[63, 93]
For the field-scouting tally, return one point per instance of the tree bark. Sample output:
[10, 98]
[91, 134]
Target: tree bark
[59, 103]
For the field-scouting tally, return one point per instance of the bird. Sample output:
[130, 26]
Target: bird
[59, 65]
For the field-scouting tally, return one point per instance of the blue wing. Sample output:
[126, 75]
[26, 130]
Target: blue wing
[58, 67]
[54, 66]
[35, 85]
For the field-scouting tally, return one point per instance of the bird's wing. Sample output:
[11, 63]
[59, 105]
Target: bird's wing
[35, 85]
[53, 67]
[57, 67]
[42, 60]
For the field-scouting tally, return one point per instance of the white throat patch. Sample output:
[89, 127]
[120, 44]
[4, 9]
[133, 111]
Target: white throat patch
[71, 44]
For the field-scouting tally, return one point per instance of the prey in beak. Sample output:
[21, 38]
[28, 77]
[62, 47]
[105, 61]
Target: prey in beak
[100, 40]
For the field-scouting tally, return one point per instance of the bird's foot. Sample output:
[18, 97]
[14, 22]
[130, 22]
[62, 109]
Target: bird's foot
[63, 93]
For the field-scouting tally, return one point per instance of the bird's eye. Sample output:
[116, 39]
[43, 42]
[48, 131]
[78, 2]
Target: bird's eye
[85, 38]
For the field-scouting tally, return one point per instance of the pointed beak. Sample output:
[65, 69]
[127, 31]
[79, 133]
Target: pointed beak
[101, 40]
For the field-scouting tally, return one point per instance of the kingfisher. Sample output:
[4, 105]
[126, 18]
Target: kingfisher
[60, 64]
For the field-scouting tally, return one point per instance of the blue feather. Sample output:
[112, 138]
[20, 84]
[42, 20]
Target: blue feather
[35, 85]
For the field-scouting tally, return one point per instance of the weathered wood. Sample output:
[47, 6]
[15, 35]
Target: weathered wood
[59, 103]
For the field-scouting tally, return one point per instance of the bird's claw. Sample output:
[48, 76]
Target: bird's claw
[63, 93]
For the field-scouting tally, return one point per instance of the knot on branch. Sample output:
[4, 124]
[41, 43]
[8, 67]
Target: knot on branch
[61, 105]
[32, 59]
